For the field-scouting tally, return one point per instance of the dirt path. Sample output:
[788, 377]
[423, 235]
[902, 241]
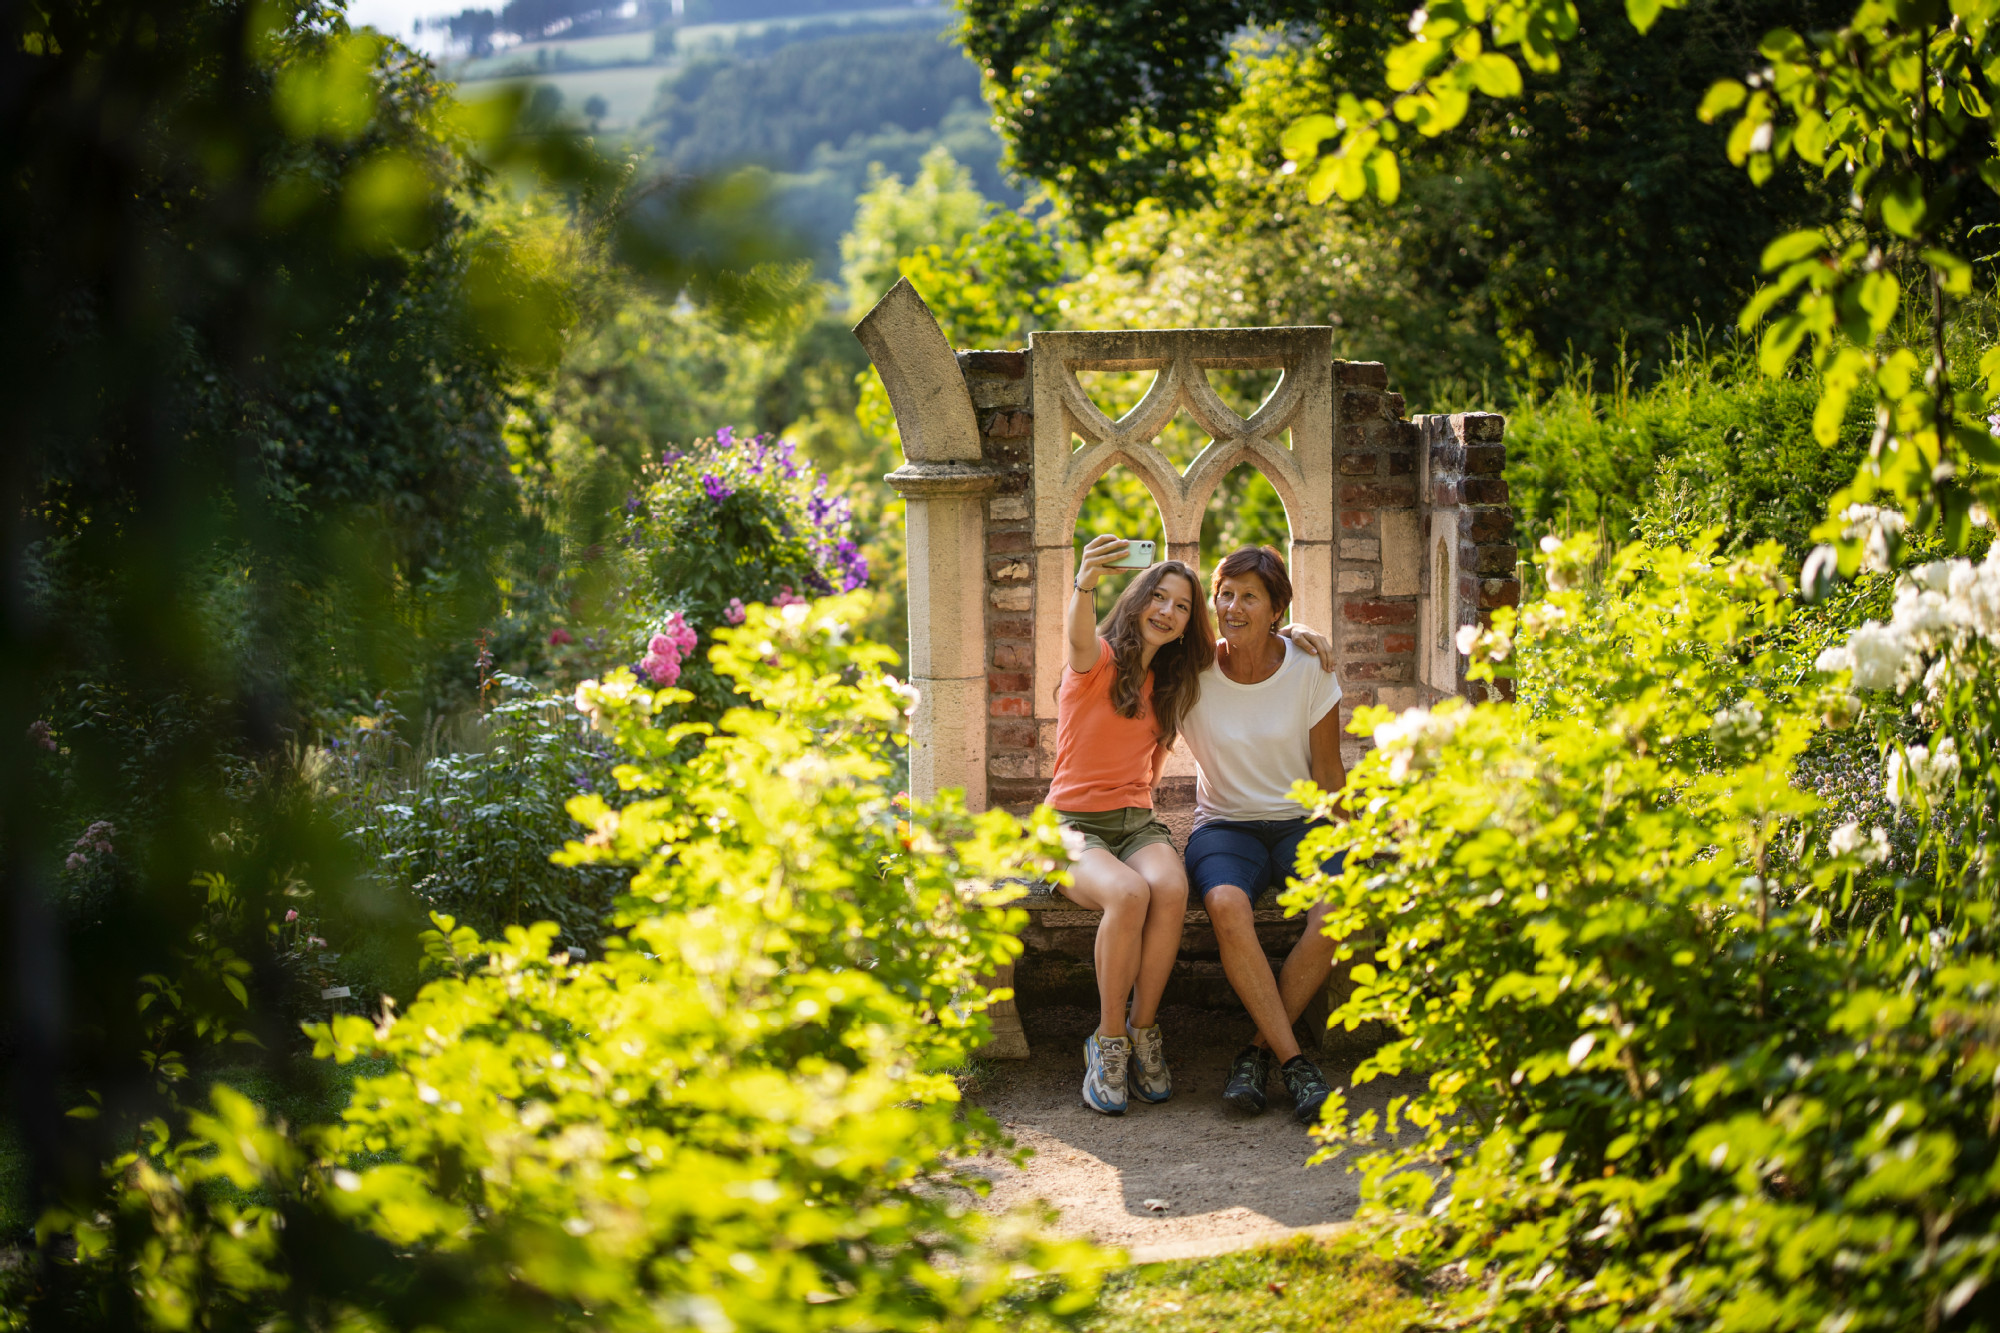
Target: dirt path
[1183, 1178]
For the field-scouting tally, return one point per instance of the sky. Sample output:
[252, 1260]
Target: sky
[399, 18]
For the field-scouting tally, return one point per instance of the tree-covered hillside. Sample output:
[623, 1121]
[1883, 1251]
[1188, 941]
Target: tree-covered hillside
[822, 110]
[775, 110]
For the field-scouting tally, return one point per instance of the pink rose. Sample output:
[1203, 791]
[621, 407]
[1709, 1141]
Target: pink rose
[662, 646]
[786, 597]
[558, 637]
[680, 632]
[662, 668]
[735, 613]
[292, 915]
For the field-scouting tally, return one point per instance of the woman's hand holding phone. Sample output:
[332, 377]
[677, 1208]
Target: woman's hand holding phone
[1103, 552]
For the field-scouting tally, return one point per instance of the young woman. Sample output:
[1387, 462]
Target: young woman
[1129, 683]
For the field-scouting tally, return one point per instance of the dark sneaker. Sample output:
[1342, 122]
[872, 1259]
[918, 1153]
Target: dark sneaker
[1245, 1089]
[1104, 1060]
[1308, 1088]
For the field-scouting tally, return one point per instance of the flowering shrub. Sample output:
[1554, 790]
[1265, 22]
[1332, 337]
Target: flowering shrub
[469, 832]
[1701, 1053]
[740, 1117]
[712, 529]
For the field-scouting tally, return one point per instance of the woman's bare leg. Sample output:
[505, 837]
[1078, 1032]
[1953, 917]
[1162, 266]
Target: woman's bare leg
[1100, 880]
[1167, 889]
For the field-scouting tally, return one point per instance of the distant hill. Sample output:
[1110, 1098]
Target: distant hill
[774, 111]
[818, 110]
[815, 91]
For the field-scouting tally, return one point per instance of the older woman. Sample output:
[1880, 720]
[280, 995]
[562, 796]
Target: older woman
[1265, 718]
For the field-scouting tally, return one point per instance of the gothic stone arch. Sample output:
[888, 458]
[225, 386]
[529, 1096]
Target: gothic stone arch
[992, 486]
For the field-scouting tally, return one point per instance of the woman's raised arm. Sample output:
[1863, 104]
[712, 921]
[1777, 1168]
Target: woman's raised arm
[1104, 551]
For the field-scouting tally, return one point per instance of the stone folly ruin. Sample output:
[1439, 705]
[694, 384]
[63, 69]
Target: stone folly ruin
[1400, 534]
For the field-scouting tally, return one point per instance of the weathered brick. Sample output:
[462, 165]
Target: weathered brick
[1002, 569]
[1017, 598]
[1010, 540]
[1446, 491]
[1361, 405]
[1011, 734]
[1014, 655]
[1010, 765]
[1353, 699]
[1356, 519]
[1010, 425]
[1007, 508]
[1371, 373]
[1486, 460]
[1499, 592]
[1379, 495]
[1009, 682]
[1489, 525]
[1485, 491]
[1399, 643]
[1009, 706]
[1392, 404]
[1359, 612]
[1402, 463]
[1360, 548]
[1009, 365]
[1496, 559]
[1016, 795]
[1357, 580]
[1361, 645]
[1357, 465]
[1484, 427]
[1012, 627]
[1378, 671]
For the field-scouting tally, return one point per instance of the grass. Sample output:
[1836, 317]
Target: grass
[1302, 1286]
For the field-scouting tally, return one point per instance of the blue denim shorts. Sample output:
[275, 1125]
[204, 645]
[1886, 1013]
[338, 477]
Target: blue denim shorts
[1258, 856]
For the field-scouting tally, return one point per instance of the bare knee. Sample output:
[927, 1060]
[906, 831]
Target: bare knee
[1125, 895]
[1168, 890]
[1229, 909]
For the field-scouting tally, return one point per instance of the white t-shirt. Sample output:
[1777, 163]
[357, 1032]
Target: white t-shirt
[1251, 743]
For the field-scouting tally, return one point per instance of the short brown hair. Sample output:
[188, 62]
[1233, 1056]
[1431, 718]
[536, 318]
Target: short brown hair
[1267, 565]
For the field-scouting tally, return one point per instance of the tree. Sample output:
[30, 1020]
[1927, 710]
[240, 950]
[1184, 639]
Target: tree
[258, 340]
[1588, 203]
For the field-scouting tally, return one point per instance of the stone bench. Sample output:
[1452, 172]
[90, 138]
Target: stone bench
[1055, 967]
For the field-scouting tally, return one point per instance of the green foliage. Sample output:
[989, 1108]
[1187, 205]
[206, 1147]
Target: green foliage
[892, 221]
[1586, 204]
[1712, 443]
[264, 330]
[743, 1112]
[1696, 1056]
[469, 832]
[1896, 98]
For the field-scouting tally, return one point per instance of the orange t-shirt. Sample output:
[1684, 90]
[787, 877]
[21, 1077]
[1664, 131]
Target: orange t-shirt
[1103, 761]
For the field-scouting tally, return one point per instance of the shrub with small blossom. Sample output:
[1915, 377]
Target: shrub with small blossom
[725, 524]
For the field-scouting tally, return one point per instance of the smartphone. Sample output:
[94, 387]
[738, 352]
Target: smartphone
[1138, 555]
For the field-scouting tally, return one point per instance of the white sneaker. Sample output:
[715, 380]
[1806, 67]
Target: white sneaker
[1149, 1079]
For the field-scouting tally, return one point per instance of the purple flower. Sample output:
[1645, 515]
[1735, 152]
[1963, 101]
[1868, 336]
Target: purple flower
[671, 457]
[725, 436]
[631, 504]
[718, 490]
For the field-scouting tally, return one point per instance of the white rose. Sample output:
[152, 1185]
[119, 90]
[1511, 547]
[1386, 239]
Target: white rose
[1877, 653]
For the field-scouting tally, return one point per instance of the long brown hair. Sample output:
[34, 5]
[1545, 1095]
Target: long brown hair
[1177, 666]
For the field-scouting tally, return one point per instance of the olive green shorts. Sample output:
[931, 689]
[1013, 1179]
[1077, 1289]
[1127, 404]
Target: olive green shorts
[1120, 832]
